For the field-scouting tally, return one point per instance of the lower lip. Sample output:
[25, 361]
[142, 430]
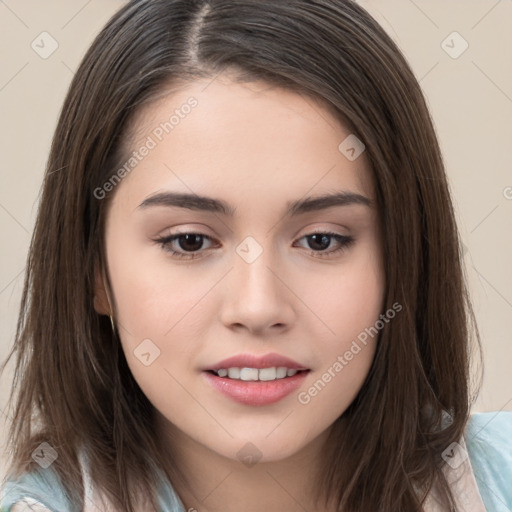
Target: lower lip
[256, 392]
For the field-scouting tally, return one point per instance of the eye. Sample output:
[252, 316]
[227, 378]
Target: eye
[321, 240]
[189, 243]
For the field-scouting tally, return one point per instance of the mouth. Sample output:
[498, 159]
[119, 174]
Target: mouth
[256, 380]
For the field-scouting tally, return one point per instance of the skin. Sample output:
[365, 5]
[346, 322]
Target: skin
[255, 147]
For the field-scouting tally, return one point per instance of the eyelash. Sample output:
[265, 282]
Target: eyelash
[344, 241]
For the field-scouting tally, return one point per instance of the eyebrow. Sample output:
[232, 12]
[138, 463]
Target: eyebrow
[210, 204]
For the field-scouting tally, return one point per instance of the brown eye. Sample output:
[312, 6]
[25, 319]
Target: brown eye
[184, 245]
[190, 241]
[319, 243]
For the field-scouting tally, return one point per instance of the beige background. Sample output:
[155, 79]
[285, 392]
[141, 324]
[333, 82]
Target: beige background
[470, 97]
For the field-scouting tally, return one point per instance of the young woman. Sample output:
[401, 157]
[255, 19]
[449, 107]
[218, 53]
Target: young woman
[244, 289]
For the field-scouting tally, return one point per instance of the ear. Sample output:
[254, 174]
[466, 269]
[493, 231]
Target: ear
[101, 302]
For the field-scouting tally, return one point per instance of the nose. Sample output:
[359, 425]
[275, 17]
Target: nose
[257, 298]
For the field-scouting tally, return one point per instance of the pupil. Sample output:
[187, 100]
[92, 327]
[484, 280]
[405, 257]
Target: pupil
[320, 239]
[194, 242]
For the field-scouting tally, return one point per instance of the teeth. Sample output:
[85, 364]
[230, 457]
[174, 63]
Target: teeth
[255, 374]
[267, 374]
[281, 372]
[248, 374]
[233, 373]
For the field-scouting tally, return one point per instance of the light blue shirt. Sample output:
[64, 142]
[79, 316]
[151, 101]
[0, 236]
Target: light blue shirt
[44, 486]
[488, 440]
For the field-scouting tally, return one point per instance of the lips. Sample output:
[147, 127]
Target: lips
[256, 380]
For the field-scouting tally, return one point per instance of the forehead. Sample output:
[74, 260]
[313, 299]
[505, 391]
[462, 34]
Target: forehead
[253, 136]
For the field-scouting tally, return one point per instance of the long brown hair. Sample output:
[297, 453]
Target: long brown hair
[74, 387]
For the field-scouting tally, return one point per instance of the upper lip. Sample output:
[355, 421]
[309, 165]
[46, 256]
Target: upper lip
[253, 361]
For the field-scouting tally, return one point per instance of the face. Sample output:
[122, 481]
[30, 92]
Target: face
[218, 247]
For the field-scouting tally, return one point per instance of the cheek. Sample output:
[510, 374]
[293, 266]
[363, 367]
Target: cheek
[154, 304]
[346, 357]
[347, 298]
[161, 316]
[157, 312]
[153, 294]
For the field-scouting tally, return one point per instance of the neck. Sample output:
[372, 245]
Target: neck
[215, 483]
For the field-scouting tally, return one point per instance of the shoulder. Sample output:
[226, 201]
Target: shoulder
[41, 490]
[38, 490]
[488, 438]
